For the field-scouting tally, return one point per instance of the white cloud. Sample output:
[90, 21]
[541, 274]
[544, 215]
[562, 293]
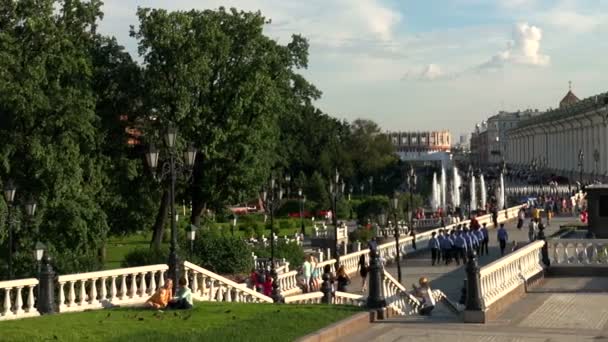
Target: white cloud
[431, 72]
[516, 3]
[573, 21]
[524, 49]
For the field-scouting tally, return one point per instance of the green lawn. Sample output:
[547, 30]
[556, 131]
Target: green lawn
[119, 246]
[206, 322]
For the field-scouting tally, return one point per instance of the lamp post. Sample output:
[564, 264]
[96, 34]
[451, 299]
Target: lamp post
[395, 205]
[335, 189]
[171, 168]
[272, 198]
[191, 237]
[39, 250]
[411, 185]
[302, 201]
[9, 196]
[234, 219]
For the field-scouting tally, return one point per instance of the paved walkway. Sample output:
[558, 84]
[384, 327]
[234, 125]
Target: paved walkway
[450, 278]
[557, 317]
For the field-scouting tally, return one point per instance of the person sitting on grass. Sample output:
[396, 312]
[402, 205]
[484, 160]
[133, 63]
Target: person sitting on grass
[183, 297]
[161, 297]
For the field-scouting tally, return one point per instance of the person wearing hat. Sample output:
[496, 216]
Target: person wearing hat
[425, 293]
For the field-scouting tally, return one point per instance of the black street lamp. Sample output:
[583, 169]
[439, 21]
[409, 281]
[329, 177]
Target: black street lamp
[172, 168]
[9, 196]
[395, 205]
[272, 199]
[335, 189]
[191, 237]
[411, 179]
[302, 201]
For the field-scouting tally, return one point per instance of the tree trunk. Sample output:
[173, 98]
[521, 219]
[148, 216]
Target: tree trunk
[161, 220]
[197, 210]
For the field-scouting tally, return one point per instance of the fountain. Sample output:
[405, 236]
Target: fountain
[456, 183]
[473, 194]
[483, 191]
[435, 197]
[501, 193]
[443, 189]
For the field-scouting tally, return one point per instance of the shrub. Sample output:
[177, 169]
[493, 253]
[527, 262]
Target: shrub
[371, 207]
[289, 206]
[259, 229]
[285, 224]
[361, 234]
[221, 253]
[145, 257]
[292, 252]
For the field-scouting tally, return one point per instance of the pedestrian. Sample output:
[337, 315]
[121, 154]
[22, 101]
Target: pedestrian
[440, 238]
[460, 245]
[343, 279]
[521, 216]
[425, 293]
[495, 216]
[446, 247]
[434, 246]
[502, 238]
[479, 235]
[363, 269]
[314, 277]
[307, 270]
[485, 240]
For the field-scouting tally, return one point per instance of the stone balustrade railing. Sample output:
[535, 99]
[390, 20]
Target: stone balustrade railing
[345, 298]
[321, 265]
[288, 283]
[350, 261]
[428, 222]
[500, 277]
[390, 231]
[578, 252]
[209, 286]
[306, 298]
[328, 232]
[96, 290]
[19, 299]
[397, 297]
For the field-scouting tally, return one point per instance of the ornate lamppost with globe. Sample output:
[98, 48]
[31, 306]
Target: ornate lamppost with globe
[271, 197]
[395, 205]
[411, 180]
[336, 189]
[172, 167]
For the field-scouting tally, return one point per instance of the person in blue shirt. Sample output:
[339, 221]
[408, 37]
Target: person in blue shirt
[446, 246]
[479, 236]
[434, 246]
[502, 238]
[440, 238]
[486, 239]
[460, 246]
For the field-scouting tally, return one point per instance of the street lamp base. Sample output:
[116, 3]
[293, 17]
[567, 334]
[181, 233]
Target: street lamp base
[175, 269]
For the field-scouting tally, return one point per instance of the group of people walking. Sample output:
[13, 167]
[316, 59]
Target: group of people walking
[454, 245]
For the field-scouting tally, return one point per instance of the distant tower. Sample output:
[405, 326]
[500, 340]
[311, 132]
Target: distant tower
[570, 98]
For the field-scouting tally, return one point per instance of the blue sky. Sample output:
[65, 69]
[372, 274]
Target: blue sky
[419, 65]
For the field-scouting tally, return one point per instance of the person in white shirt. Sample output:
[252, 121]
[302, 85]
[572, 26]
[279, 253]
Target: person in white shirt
[425, 293]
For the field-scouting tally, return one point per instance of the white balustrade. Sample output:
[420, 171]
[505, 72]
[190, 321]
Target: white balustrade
[345, 298]
[578, 252]
[321, 265]
[500, 277]
[209, 286]
[19, 299]
[397, 297]
[86, 291]
[306, 298]
[288, 283]
[351, 261]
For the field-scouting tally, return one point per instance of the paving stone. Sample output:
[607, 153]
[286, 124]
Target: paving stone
[570, 311]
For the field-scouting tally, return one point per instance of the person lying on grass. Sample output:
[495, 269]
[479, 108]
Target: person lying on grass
[183, 297]
[161, 297]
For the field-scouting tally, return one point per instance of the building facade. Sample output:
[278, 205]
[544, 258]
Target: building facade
[571, 141]
[423, 146]
[489, 141]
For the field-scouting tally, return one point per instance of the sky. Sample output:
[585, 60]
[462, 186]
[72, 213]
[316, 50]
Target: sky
[427, 64]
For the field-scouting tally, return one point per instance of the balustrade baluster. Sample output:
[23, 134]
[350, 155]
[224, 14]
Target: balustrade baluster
[194, 282]
[186, 276]
[133, 291]
[228, 297]
[142, 285]
[113, 289]
[18, 302]
[152, 288]
[7, 301]
[61, 297]
[83, 294]
[30, 299]
[71, 295]
[93, 293]
[104, 291]
[211, 289]
[161, 279]
[123, 287]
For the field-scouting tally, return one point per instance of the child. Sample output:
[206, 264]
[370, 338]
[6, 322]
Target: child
[161, 297]
[183, 297]
[268, 286]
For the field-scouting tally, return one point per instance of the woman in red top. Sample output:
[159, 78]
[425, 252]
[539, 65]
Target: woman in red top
[268, 286]
[253, 277]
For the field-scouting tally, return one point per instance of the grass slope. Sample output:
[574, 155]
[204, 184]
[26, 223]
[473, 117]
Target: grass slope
[206, 322]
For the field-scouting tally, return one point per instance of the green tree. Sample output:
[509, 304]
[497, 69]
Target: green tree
[224, 84]
[48, 125]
